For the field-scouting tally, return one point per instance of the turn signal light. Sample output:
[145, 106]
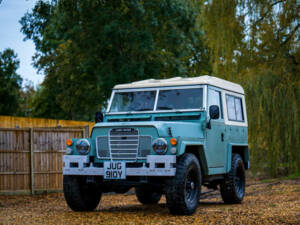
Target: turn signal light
[173, 141]
[69, 142]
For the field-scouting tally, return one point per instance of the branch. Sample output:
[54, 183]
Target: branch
[266, 13]
[291, 35]
[263, 16]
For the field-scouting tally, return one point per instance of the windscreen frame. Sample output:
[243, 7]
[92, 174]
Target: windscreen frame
[157, 89]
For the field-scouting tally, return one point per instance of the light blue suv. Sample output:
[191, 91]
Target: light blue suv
[167, 136]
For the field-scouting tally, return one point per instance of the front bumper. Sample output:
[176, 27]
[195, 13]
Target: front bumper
[80, 165]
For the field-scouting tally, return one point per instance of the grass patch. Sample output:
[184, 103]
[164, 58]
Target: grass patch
[294, 176]
[272, 205]
[268, 181]
[289, 177]
[296, 190]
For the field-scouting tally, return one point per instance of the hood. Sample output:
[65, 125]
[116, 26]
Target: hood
[177, 129]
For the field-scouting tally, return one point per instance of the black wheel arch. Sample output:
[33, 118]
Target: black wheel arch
[198, 151]
[243, 151]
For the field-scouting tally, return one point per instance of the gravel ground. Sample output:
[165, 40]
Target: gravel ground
[276, 202]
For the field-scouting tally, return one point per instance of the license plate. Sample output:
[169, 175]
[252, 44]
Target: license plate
[114, 170]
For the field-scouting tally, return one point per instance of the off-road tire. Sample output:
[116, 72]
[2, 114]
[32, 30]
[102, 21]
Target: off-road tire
[80, 195]
[183, 191]
[233, 187]
[147, 196]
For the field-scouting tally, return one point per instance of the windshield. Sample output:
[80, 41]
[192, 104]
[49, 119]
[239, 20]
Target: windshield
[168, 99]
[133, 101]
[191, 98]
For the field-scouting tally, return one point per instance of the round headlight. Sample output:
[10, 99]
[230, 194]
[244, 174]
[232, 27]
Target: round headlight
[160, 146]
[83, 146]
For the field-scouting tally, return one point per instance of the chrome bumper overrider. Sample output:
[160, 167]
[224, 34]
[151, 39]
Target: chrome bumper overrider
[84, 167]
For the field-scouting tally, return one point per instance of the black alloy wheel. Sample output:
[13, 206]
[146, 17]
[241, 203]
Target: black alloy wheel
[233, 187]
[183, 191]
[79, 194]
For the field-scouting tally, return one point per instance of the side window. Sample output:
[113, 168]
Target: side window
[214, 98]
[234, 108]
[239, 109]
[230, 107]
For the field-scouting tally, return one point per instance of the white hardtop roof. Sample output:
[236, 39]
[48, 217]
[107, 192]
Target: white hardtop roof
[179, 81]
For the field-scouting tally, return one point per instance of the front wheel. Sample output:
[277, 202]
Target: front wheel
[147, 196]
[233, 186]
[184, 190]
[79, 194]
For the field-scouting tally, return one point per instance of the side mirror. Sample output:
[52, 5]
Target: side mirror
[214, 112]
[98, 117]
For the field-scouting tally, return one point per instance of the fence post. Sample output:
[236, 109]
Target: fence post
[87, 131]
[31, 161]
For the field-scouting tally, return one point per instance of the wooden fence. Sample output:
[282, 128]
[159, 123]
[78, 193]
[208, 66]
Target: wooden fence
[31, 158]
[26, 122]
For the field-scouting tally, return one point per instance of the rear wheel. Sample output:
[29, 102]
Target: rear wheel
[184, 189]
[233, 186]
[147, 196]
[79, 194]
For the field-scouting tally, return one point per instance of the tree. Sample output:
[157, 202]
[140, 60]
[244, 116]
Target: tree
[10, 83]
[27, 94]
[256, 43]
[86, 47]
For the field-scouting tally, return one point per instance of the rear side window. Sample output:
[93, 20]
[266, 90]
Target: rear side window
[234, 108]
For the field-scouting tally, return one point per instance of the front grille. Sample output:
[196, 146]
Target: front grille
[144, 146]
[102, 147]
[123, 144]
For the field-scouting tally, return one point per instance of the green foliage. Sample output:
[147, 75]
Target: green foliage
[263, 54]
[294, 176]
[10, 83]
[86, 47]
[26, 97]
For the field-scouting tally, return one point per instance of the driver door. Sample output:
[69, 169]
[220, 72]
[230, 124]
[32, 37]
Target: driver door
[215, 136]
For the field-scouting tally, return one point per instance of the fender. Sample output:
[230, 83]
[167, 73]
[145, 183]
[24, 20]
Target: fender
[244, 154]
[200, 153]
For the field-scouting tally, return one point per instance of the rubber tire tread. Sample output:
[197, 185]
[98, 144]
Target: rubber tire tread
[79, 198]
[175, 195]
[228, 188]
[146, 196]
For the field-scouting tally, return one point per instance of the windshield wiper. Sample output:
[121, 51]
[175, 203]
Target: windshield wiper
[146, 109]
[165, 107]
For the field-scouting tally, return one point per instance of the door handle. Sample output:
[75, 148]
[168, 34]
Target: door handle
[222, 136]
